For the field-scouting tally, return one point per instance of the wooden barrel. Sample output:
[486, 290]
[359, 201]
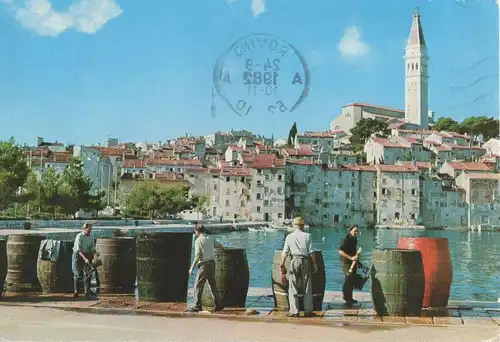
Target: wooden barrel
[57, 277]
[280, 289]
[438, 269]
[22, 257]
[397, 282]
[117, 270]
[163, 261]
[3, 263]
[232, 278]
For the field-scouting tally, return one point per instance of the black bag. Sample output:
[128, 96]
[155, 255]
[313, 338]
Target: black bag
[358, 281]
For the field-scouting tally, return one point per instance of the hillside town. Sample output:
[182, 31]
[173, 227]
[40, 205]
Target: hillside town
[413, 174]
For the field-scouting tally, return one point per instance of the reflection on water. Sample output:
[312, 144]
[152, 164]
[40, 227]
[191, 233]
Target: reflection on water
[475, 256]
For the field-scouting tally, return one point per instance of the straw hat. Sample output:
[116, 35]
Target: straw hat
[298, 221]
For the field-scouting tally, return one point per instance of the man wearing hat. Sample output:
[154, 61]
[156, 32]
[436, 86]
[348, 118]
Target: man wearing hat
[298, 246]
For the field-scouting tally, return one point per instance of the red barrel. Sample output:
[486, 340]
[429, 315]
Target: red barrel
[438, 269]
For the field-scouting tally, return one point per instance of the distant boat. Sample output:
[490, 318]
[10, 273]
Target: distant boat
[287, 227]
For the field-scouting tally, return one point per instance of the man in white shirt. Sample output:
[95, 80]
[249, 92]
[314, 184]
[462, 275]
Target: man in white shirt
[83, 253]
[298, 246]
[204, 247]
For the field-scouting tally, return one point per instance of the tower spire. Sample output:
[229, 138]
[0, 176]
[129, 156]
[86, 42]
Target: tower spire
[416, 75]
[416, 33]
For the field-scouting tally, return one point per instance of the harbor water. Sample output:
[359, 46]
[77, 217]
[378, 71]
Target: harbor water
[475, 256]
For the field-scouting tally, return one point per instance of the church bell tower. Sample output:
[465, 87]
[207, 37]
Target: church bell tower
[416, 76]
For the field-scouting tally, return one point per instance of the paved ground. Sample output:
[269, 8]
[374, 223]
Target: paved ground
[42, 324]
[261, 301]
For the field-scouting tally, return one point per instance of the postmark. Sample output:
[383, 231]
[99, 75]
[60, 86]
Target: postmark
[261, 73]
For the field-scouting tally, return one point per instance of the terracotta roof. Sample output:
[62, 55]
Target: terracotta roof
[172, 176]
[174, 162]
[468, 166]
[454, 135]
[327, 134]
[303, 150]
[59, 157]
[359, 167]
[387, 143]
[237, 172]
[113, 151]
[420, 164]
[300, 162]
[462, 147]
[443, 148]
[494, 176]
[267, 161]
[396, 168]
[235, 147]
[412, 140]
[396, 125]
[357, 104]
[131, 163]
[415, 131]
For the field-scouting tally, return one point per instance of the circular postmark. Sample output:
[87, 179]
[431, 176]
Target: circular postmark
[261, 73]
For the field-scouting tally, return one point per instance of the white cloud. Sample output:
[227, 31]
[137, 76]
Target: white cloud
[351, 44]
[87, 16]
[258, 7]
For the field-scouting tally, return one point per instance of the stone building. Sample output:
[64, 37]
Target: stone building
[397, 194]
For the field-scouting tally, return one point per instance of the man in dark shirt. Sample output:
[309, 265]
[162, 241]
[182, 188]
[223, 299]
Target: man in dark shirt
[347, 252]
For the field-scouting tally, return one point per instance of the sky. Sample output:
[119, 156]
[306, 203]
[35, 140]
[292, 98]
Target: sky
[84, 70]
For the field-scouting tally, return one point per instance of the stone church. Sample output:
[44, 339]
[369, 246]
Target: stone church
[416, 114]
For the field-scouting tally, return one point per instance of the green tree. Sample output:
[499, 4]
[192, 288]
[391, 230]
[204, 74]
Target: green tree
[446, 124]
[176, 199]
[475, 125]
[364, 129]
[200, 204]
[13, 172]
[292, 134]
[153, 200]
[76, 188]
[144, 198]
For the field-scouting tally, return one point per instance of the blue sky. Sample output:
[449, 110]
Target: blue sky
[142, 70]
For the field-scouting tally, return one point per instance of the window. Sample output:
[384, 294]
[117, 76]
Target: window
[267, 177]
[259, 171]
[242, 204]
[280, 215]
[215, 186]
[325, 216]
[227, 203]
[248, 197]
[384, 191]
[280, 191]
[266, 202]
[242, 179]
[384, 181]
[258, 209]
[228, 191]
[347, 194]
[325, 205]
[227, 179]
[413, 192]
[336, 218]
[258, 196]
[397, 181]
[413, 182]
[280, 177]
